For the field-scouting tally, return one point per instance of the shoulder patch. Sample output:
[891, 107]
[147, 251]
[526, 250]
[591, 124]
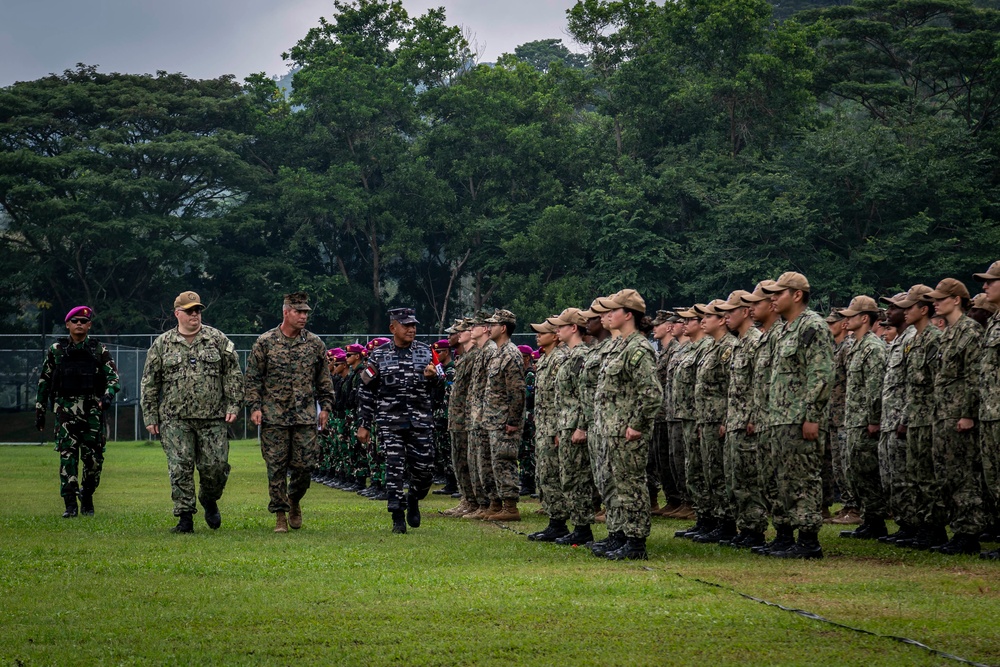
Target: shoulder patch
[808, 336]
[727, 353]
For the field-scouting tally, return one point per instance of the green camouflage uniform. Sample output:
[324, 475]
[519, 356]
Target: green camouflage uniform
[837, 437]
[865, 372]
[480, 465]
[761, 416]
[285, 379]
[989, 410]
[684, 410]
[892, 450]
[458, 405]
[188, 389]
[504, 407]
[801, 378]
[741, 464]
[921, 502]
[628, 395]
[660, 448]
[596, 443]
[711, 396]
[675, 426]
[547, 475]
[79, 418]
[575, 473]
[957, 456]
[357, 450]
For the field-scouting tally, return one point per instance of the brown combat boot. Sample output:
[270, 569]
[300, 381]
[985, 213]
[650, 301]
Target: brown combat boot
[508, 512]
[601, 517]
[495, 507]
[461, 509]
[295, 515]
[668, 509]
[280, 523]
[477, 512]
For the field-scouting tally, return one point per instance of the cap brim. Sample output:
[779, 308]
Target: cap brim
[545, 327]
[589, 314]
[985, 276]
[938, 295]
[887, 300]
[191, 305]
[726, 307]
[687, 314]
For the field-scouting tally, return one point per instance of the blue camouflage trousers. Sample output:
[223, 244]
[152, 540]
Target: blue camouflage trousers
[407, 449]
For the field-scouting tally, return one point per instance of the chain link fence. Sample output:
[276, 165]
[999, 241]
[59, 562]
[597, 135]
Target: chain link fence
[21, 359]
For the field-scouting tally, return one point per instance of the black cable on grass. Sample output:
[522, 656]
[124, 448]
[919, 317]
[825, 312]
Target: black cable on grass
[806, 614]
[817, 617]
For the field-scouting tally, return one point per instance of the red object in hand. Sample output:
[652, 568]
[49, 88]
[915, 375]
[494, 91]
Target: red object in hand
[438, 368]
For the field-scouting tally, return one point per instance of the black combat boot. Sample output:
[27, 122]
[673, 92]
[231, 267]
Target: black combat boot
[185, 523]
[71, 510]
[872, 529]
[961, 544]
[806, 548]
[87, 504]
[990, 555]
[556, 529]
[724, 532]
[927, 537]
[380, 493]
[614, 541]
[690, 531]
[748, 539]
[905, 532]
[581, 535]
[412, 510]
[633, 549]
[783, 540]
[213, 517]
[398, 521]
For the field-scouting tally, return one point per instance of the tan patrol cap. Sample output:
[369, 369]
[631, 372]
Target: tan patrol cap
[949, 287]
[916, 294]
[628, 298]
[187, 300]
[713, 308]
[981, 302]
[992, 273]
[568, 316]
[734, 301]
[759, 293]
[699, 309]
[860, 304]
[544, 327]
[893, 300]
[789, 280]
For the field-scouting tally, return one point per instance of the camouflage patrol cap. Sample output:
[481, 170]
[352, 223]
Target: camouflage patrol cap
[992, 273]
[916, 294]
[187, 300]
[297, 301]
[982, 303]
[860, 304]
[662, 317]
[835, 316]
[949, 287]
[501, 316]
[759, 293]
[568, 316]
[479, 319]
[789, 280]
[734, 301]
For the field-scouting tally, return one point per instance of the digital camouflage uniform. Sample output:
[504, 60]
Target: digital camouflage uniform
[762, 417]
[285, 378]
[684, 409]
[675, 426]
[957, 456]
[398, 400]
[480, 462]
[801, 378]
[504, 407]
[836, 436]
[575, 472]
[741, 464]
[628, 395]
[597, 445]
[711, 396]
[891, 449]
[334, 436]
[188, 389]
[526, 452]
[989, 410]
[921, 502]
[865, 372]
[458, 410]
[74, 379]
[547, 471]
[660, 447]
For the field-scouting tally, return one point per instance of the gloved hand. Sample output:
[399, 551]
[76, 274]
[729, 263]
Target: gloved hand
[106, 402]
[40, 419]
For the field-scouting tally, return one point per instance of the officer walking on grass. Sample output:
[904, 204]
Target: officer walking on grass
[192, 388]
[396, 392]
[79, 380]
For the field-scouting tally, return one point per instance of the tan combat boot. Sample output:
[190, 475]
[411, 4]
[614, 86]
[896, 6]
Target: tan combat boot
[494, 508]
[295, 515]
[477, 513]
[280, 523]
[508, 512]
[462, 509]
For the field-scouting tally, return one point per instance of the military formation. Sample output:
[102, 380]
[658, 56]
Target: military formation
[746, 412]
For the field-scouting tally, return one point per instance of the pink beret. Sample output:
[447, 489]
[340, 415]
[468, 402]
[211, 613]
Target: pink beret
[354, 348]
[525, 350]
[82, 311]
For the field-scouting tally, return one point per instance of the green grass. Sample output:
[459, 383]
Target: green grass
[118, 588]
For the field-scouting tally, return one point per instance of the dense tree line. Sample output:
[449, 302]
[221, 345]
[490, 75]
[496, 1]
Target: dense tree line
[695, 147]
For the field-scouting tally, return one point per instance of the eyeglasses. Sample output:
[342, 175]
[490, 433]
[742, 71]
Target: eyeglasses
[79, 320]
[194, 311]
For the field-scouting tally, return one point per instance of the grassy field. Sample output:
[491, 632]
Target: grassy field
[118, 588]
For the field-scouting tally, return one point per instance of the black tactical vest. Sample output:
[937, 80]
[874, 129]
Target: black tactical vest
[78, 373]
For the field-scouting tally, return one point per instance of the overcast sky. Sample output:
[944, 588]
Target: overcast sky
[208, 38]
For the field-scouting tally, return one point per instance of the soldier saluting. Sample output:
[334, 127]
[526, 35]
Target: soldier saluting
[396, 396]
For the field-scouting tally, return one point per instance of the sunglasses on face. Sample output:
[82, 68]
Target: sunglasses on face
[79, 320]
[194, 311]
